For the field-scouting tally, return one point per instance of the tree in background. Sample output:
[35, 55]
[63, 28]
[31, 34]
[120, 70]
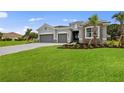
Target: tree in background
[29, 35]
[113, 31]
[33, 35]
[1, 34]
[120, 18]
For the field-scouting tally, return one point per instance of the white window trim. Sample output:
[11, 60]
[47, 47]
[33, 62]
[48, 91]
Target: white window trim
[92, 36]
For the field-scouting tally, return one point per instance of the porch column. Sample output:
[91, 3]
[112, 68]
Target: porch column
[80, 34]
[55, 36]
[38, 37]
[69, 36]
[104, 33]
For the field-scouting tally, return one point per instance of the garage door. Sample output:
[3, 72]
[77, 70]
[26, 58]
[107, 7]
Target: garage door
[48, 38]
[62, 38]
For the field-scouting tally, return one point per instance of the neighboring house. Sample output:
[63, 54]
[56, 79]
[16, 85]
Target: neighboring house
[11, 35]
[76, 32]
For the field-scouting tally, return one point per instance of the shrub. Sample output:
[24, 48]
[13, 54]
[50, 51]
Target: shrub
[7, 39]
[111, 44]
[20, 39]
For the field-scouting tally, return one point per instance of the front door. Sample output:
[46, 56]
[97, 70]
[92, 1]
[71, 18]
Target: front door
[75, 36]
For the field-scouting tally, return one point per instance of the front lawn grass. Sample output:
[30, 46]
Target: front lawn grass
[9, 43]
[53, 64]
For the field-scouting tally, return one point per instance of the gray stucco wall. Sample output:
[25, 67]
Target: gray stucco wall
[103, 35]
[55, 31]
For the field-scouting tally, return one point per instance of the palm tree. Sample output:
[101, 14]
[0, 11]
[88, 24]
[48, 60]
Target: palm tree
[120, 18]
[94, 20]
[112, 30]
[27, 34]
[33, 35]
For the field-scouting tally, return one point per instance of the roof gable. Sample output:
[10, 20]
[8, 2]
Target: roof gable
[45, 26]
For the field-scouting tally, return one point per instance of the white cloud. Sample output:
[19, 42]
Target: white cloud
[24, 29]
[4, 30]
[1, 29]
[35, 19]
[3, 15]
[69, 20]
[65, 20]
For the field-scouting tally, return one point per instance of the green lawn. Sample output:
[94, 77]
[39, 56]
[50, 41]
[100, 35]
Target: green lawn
[53, 64]
[9, 43]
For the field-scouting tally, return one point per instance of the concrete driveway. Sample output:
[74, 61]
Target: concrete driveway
[18, 48]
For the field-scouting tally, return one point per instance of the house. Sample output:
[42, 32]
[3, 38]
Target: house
[11, 35]
[78, 31]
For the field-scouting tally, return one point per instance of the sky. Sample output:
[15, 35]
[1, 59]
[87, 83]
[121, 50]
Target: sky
[19, 21]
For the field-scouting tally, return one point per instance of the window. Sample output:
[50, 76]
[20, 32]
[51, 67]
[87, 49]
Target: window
[75, 26]
[89, 32]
